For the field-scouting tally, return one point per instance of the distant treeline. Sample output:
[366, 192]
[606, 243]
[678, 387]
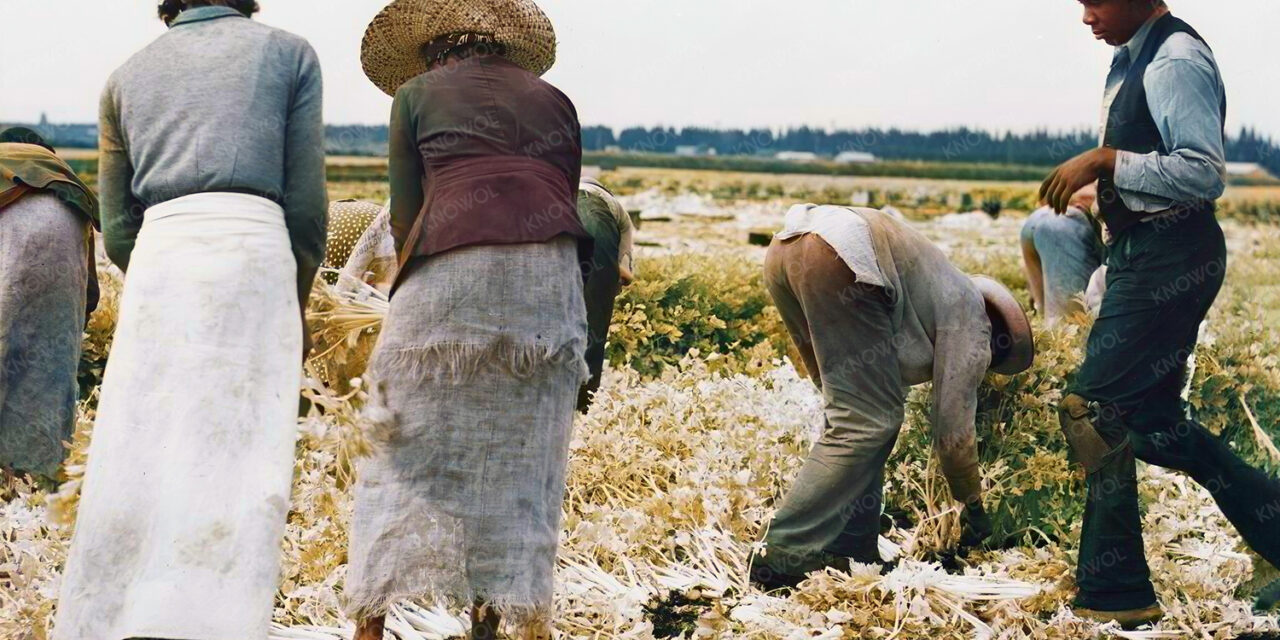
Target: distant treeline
[1038, 148]
[884, 169]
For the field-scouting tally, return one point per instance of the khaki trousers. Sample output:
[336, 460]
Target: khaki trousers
[843, 331]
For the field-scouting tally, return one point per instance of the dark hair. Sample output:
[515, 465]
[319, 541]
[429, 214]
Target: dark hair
[23, 135]
[169, 9]
[461, 45]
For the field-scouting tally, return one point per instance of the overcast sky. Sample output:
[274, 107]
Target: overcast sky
[921, 64]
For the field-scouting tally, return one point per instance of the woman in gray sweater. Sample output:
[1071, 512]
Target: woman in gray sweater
[213, 201]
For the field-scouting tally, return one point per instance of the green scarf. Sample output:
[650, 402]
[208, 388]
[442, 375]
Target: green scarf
[27, 167]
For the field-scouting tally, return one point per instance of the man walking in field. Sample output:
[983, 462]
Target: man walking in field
[1160, 168]
[873, 307]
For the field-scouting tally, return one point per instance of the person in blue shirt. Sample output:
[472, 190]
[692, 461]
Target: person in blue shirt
[1060, 253]
[1160, 166]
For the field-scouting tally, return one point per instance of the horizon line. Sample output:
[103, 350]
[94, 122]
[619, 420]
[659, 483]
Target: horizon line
[1061, 130]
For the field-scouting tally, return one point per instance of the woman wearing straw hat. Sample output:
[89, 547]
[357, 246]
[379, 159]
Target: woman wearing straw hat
[213, 200]
[480, 358]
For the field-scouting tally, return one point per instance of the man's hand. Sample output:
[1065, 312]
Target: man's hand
[1075, 174]
[976, 525]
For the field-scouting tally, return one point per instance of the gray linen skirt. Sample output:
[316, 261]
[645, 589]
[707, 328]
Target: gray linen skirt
[43, 275]
[475, 379]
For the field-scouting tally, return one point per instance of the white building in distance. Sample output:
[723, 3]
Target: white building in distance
[694, 150]
[796, 156]
[1247, 170]
[855, 157]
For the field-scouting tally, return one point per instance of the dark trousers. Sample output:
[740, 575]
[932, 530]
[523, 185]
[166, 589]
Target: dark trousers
[600, 290]
[1162, 278]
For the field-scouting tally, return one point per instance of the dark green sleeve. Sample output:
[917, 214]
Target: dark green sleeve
[120, 211]
[306, 200]
[405, 171]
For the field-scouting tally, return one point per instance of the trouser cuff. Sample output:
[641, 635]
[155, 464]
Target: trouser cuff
[1116, 601]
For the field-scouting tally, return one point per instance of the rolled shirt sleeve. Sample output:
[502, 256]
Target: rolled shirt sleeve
[1185, 96]
[306, 199]
[961, 358]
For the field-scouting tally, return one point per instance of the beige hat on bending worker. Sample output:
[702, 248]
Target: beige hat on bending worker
[1013, 346]
[392, 50]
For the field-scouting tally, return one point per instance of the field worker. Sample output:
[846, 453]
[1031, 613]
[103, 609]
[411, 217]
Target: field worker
[1060, 253]
[874, 307]
[50, 285]
[612, 267]
[348, 222]
[478, 365]
[1160, 168]
[212, 182]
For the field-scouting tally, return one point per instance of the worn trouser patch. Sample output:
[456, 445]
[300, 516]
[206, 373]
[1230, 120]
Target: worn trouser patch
[1079, 417]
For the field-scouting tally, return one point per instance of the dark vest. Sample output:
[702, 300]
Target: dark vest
[1130, 126]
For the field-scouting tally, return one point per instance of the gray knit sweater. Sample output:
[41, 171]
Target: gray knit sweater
[218, 103]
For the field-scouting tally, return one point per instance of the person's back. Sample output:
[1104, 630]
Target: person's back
[212, 187]
[509, 95]
[480, 356]
[349, 221]
[500, 149]
[204, 107]
[218, 104]
[938, 306]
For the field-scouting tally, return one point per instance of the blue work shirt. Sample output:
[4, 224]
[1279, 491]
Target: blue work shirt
[1185, 95]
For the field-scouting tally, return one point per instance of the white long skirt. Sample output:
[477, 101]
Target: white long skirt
[187, 487]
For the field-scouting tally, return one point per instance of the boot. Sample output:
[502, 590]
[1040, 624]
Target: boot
[767, 580]
[1129, 619]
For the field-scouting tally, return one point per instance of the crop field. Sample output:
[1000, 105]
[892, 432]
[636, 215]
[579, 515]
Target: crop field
[703, 422]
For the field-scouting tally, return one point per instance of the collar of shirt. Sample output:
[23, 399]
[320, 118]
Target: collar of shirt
[201, 14]
[1131, 49]
[1121, 60]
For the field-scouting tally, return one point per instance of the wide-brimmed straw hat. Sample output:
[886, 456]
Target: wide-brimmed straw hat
[1013, 345]
[392, 48]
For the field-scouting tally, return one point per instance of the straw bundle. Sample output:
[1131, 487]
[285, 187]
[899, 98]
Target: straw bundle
[345, 319]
